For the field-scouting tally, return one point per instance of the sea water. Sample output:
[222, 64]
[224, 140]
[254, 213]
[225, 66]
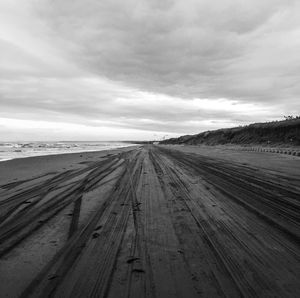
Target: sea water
[11, 150]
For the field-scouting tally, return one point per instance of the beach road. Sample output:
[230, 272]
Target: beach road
[151, 221]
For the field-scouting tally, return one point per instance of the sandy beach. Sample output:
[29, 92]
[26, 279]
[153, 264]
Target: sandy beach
[151, 221]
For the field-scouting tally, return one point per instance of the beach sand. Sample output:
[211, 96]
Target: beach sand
[151, 221]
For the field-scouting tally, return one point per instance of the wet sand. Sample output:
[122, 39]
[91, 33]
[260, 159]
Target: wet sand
[151, 221]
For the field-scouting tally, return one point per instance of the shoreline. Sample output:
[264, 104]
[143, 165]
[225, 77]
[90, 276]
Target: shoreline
[30, 166]
[60, 161]
[36, 153]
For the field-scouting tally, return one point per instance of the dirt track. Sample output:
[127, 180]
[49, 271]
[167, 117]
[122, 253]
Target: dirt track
[152, 222]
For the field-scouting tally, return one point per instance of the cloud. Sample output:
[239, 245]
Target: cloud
[154, 66]
[234, 49]
[98, 102]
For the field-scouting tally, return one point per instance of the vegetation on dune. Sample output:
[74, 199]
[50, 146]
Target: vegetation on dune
[285, 132]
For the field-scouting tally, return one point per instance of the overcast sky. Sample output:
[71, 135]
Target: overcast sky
[137, 69]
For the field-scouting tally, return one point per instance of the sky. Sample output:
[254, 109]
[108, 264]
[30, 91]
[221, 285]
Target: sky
[144, 70]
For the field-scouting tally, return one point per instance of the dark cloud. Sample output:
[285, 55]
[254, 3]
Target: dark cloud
[189, 49]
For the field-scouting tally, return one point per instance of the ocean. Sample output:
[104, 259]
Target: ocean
[11, 150]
